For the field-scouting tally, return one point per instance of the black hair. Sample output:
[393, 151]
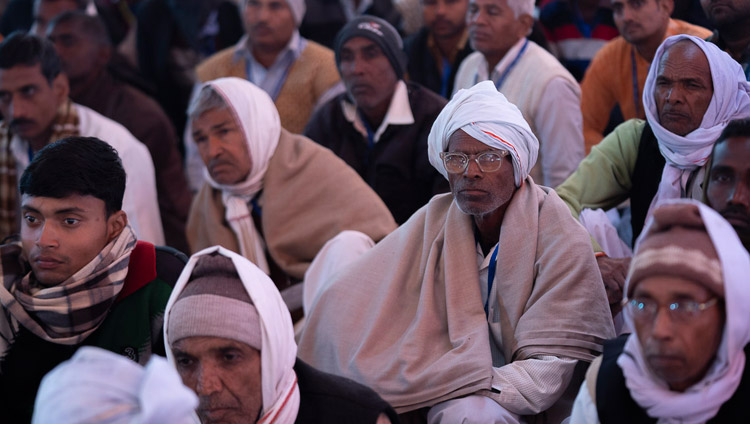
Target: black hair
[736, 128]
[76, 165]
[80, 4]
[92, 26]
[26, 49]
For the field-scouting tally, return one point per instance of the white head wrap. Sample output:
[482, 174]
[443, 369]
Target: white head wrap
[298, 10]
[731, 100]
[702, 401]
[486, 115]
[278, 351]
[96, 386]
[258, 119]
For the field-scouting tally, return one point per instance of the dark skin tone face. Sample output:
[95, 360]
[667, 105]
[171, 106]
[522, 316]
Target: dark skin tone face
[446, 20]
[678, 352]
[483, 195]
[368, 76]
[642, 23]
[494, 28]
[683, 88]
[728, 190]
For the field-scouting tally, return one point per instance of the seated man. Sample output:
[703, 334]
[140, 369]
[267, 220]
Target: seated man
[480, 306]
[380, 125]
[687, 297]
[436, 51]
[46, 10]
[732, 22]
[84, 48]
[77, 277]
[272, 196]
[232, 342]
[618, 71]
[727, 188]
[96, 386]
[693, 91]
[294, 71]
[36, 110]
[531, 78]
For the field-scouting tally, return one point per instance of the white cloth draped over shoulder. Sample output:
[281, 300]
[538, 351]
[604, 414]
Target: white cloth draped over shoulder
[278, 353]
[702, 401]
[684, 154]
[258, 119]
[100, 387]
[485, 114]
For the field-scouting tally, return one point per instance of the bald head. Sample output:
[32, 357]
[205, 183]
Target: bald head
[683, 88]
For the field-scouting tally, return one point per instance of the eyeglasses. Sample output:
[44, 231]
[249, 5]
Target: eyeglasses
[456, 163]
[681, 310]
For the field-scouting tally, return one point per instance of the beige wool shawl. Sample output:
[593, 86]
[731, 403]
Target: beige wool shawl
[309, 196]
[407, 319]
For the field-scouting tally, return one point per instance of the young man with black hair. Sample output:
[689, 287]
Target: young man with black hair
[78, 276]
[36, 110]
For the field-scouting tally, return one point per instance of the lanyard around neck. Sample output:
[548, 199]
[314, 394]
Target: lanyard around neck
[491, 279]
[510, 67]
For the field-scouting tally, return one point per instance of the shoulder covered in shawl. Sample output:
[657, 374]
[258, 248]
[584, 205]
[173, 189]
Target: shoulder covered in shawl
[415, 330]
[309, 196]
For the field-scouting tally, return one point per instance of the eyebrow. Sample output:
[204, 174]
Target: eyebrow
[73, 209]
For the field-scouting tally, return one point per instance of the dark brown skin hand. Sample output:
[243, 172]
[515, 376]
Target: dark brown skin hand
[614, 271]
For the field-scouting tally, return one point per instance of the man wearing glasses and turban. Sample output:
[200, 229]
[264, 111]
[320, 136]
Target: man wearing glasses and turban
[479, 307]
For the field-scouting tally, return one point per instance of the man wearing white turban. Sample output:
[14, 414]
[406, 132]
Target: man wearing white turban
[479, 307]
[272, 196]
[687, 297]
[231, 339]
[96, 386]
[691, 93]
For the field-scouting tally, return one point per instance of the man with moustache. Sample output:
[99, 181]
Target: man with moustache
[727, 188]
[380, 125]
[85, 50]
[478, 308]
[693, 91]
[436, 51]
[299, 74]
[731, 20]
[617, 73]
[531, 78]
[36, 109]
[687, 297]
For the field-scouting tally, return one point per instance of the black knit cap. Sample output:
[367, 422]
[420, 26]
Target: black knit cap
[381, 33]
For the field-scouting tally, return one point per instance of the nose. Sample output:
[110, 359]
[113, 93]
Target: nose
[662, 325]
[215, 147]
[440, 10]
[472, 169]
[18, 108]
[208, 380]
[47, 236]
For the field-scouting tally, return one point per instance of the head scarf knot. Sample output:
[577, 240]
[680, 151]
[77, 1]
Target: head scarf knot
[486, 115]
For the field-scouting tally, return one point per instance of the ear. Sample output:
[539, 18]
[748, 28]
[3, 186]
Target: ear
[115, 224]
[667, 6]
[60, 88]
[526, 23]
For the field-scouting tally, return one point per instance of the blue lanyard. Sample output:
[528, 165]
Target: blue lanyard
[445, 79]
[490, 279]
[500, 80]
[256, 207]
[31, 153]
[636, 99]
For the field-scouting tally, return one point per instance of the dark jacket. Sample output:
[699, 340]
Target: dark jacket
[328, 398]
[615, 405]
[396, 166]
[146, 120]
[132, 328]
[422, 67]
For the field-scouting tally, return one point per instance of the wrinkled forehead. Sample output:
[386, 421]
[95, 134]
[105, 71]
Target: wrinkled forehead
[685, 58]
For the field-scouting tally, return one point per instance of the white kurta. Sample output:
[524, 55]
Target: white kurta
[139, 202]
